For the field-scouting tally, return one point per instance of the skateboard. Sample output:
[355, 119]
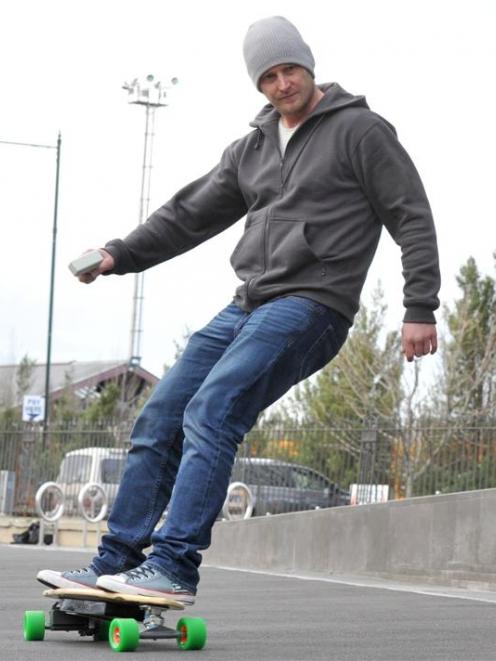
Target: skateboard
[122, 619]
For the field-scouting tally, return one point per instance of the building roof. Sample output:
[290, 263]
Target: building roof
[81, 376]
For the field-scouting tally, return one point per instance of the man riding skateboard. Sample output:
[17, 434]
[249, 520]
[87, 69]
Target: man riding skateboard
[317, 177]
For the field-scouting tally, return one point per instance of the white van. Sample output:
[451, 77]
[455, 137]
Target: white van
[101, 465]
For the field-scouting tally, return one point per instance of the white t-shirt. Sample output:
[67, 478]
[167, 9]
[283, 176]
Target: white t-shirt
[285, 135]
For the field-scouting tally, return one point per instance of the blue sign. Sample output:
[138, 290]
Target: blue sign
[33, 408]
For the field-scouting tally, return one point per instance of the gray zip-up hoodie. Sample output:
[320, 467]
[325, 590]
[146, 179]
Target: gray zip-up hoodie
[313, 216]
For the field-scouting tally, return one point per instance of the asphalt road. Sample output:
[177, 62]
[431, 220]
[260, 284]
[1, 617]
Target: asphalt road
[257, 617]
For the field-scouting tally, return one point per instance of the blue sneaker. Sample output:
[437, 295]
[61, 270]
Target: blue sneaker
[147, 580]
[85, 577]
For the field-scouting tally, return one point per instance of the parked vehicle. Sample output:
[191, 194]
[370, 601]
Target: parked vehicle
[278, 487]
[103, 466]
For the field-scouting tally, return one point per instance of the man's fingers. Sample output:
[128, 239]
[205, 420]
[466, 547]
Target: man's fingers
[408, 350]
[88, 278]
[422, 348]
[417, 350]
[418, 340]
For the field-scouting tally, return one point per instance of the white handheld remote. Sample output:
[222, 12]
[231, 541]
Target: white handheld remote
[86, 262]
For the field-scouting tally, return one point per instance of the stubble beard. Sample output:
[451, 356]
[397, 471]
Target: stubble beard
[300, 108]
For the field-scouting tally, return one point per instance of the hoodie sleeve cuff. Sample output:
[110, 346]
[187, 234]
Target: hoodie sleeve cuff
[419, 315]
[118, 250]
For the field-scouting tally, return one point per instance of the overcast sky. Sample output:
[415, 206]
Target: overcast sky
[427, 66]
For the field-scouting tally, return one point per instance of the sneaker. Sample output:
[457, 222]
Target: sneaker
[75, 578]
[148, 580]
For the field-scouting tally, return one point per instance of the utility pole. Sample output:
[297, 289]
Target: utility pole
[151, 94]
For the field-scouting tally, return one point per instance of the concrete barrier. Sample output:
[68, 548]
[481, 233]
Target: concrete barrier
[71, 532]
[447, 539]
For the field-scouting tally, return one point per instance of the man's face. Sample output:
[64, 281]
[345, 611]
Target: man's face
[291, 90]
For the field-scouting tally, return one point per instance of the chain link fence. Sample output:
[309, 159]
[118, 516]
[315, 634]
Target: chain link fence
[350, 463]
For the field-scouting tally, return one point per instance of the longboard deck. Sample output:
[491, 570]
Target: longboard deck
[94, 594]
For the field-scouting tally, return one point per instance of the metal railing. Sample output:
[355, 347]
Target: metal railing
[361, 463]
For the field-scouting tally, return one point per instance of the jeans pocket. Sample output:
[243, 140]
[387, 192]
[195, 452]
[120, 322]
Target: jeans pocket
[310, 304]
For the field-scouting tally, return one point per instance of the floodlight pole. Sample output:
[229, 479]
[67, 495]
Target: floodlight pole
[151, 95]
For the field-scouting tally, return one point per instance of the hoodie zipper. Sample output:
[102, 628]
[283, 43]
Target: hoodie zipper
[260, 137]
[350, 100]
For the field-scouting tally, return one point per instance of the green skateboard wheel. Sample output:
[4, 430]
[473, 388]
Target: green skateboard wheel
[193, 633]
[34, 625]
[124, 634]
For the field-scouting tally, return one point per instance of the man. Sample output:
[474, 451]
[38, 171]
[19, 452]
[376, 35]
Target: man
[317, 178]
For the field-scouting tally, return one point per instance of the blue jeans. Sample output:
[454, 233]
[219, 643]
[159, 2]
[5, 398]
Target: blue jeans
[185, 440]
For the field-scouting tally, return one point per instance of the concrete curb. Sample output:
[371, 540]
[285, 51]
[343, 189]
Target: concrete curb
[447, 539]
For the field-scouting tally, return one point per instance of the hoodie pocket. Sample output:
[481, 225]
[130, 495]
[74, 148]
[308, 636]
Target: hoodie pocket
[289, 255]
[248, 257]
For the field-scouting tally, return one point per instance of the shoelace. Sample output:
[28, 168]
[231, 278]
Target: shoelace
[147, 571]
[143, 571]
[83, 570]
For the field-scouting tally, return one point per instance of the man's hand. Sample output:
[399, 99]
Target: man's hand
[418, 340]
[107, 264]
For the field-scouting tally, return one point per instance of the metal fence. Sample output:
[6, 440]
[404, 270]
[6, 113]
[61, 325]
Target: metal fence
[357, 463]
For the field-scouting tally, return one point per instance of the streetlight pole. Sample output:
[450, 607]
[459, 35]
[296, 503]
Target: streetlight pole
[151, 94]
[57, 147]
[46, 418]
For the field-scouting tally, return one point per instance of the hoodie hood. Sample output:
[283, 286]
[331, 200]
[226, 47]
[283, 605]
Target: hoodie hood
[335, 98]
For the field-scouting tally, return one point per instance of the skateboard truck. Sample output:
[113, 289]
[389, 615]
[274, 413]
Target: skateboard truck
[155, 628]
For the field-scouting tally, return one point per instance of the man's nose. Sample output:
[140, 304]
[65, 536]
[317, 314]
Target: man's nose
[283, 81]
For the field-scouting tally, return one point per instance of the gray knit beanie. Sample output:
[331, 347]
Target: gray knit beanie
[273, 41]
